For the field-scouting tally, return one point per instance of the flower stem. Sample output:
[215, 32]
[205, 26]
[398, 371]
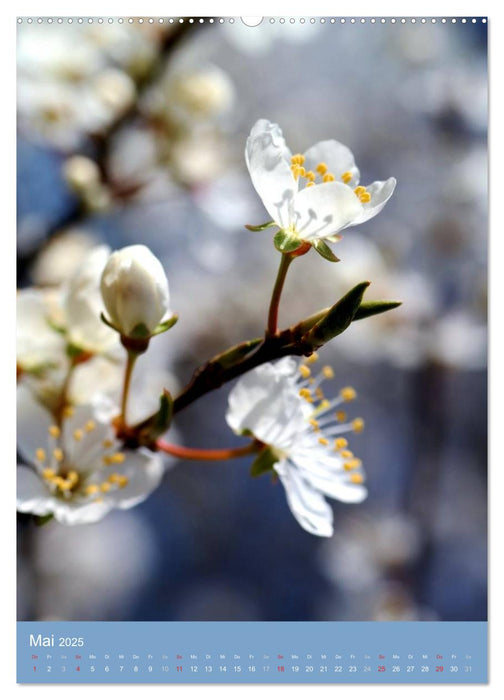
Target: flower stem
[207, 455]
[128, 371]
[285, 261]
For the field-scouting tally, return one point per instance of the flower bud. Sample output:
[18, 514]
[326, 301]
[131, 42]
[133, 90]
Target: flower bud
[135, 291]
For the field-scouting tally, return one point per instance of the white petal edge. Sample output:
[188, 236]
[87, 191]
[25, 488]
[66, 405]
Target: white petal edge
[325, 209]
[381, 191]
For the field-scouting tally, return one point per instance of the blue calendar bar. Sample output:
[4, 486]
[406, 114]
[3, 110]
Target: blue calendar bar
[252, 652]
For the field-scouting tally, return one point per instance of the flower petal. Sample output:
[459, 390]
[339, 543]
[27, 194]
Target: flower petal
[32, 495]
[144, 471]
[94, 423]
[268, 162]
[36, 342]
[307, 505]
[77, 514]
[33, 422]
[381, 192]
[338, 158]
[323, 210]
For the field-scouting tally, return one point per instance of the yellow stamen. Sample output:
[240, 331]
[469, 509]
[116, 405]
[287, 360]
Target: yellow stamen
[321, 168]
[341, 416]
[347, 454]
[365, 197]
[312, 359]
[319, 393]
[359, 190]
[304, 371]
[305, 393]
[54, 431]
[105, 487]
[328, 177]
[108, 443]
[119, 479]
[58, 454]
[310, 175]
[78, 435]
[328, 372]
[73, 477]
[357, 478]
[301, 171]
[309, 184]
[348, 393]
[323, 441]
[68, 412]
[90, 426]
[314, 424]
[358, 425]
[346, 177]
[40, 454]
[340, 443]
[352, 464]
[297, 159]
[117, 458]
[323, 405]
[124, 481]
[49, 474]
[91, 489]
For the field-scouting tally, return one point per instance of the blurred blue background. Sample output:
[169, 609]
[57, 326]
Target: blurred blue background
[159, 115]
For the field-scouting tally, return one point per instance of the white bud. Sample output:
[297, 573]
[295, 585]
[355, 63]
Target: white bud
[134, 289]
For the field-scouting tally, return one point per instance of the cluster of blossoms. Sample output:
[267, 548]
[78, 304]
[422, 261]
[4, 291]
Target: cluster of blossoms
[83, 457]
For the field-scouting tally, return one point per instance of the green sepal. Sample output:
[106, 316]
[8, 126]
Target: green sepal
[109, 323]
[262, 227]
[41, 520]
[323, 250]
[140, 331]
[74, 351]
[372, 308]
[56, 327]
[149, 430]
[165, 325]
[286, 242]
[264, 462]
[337, 319]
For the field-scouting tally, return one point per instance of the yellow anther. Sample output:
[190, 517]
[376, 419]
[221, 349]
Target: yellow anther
[54, 431]
[305, 393]
[323, 441]
[298, 159]
[68, 412]
[117, 458]
[98, 500]
[324, 405]
[352, 464]
[346, 177]
[347, 454]
[357, 479]
[58, 454]
[312, 359]
[341, 416]
[73, 477]
[340, 443]
[328, 372]
[365, 197]
[321, 168]
[314, 424]
[124, 481]
[91, 489]
[319, 393]
[304, 371]
[40, 454]
[309, 184]
[301, 171]
[78, 434]
[358, 425]
[90, 426]
[105, 487]
[348, 393]
[328, 177]
[108, 443]
[49, 474]
[119, 479]
[359, 190]
[310, 175]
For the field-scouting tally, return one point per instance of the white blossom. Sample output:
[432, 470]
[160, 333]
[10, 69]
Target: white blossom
[314, 195]
[135, 290]
[76, 471]
[283, 406]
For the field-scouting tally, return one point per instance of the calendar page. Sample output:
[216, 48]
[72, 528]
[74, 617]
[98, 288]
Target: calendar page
[252, 349]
